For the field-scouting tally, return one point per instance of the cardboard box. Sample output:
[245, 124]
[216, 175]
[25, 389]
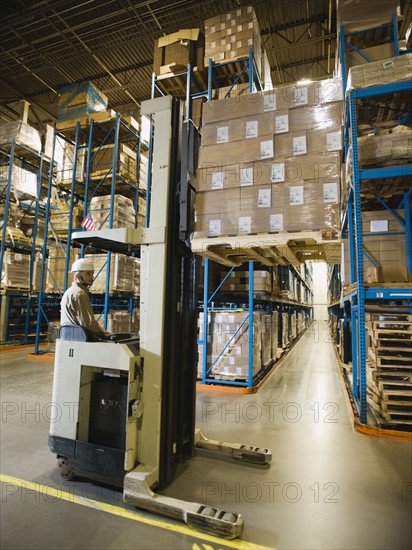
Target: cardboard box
[22, 133]
[231, 107]
[316, 117]
[22, 182]
[385, 250]
[291, 144]
[394, 69]
[269, 171]
[255, 198]
[385, 145]
[258, 148]
[217, 177]
[314, 166]
[223, 153]
[80, 100]
[215, 225]
[388, 274]
[325, 141]
[218, 202]
[178, 49]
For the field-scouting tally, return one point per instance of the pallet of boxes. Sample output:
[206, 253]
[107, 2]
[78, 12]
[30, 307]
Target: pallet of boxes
[227, 344]
[270, 162]
[231, 36]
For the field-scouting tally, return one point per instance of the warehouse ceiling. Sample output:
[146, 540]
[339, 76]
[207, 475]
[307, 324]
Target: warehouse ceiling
[48, 44]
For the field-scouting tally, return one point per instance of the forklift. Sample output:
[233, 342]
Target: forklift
[131, 418]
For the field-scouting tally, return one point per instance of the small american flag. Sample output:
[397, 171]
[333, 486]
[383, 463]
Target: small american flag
[88, 223]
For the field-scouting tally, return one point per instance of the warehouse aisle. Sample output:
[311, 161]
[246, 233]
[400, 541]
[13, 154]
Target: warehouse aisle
[328, 486]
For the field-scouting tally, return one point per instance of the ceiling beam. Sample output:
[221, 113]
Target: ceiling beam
[94, 77]
[298, 23]
[302, 62]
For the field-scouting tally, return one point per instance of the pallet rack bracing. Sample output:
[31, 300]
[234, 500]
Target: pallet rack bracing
[197, 84]
[24, 176]
[360, 295]
[96, 170]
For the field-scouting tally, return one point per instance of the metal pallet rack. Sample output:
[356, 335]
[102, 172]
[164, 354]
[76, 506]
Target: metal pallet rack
[89, 141]
[191, 84]
[355, 40]
[195, 84]
[359, 294]
[217, 301]
[15, 301]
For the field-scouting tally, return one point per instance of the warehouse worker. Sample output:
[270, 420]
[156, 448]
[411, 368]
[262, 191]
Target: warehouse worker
[76, 308]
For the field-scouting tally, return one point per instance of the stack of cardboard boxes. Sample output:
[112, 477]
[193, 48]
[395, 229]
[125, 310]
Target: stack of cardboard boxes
[15, 270]
[124, 213]
[124, 165]
[174, 52]
[238, 281]
[22, 183]
[231, 36]
[22, 133]
[122, 271]
[228, 343]
[117, 321]
[56, 269]
[59, 221]
[270, 161]
[79, 102]
[383, 71]
[384, 258]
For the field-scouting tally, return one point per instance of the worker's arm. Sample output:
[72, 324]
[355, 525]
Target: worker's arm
[85, 315]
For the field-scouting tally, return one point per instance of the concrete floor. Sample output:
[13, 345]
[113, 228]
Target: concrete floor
[328, 486]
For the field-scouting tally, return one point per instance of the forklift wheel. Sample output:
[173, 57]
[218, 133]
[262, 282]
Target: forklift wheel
[64, 468]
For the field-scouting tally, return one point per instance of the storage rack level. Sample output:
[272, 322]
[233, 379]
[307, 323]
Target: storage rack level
[30, 206]
[251, 302]
[357, 40]
[193, 83]
[360, 295]
[91, 181]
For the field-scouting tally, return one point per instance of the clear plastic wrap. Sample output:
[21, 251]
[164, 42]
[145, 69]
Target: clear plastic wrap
[381, 72]
[233, 362]
[385, 145]
[22, 181]
[15, 270]
[125, 164]
[124, 213]
[79, 100]
[23, 133]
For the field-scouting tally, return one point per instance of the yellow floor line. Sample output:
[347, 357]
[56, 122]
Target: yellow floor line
[51, 492]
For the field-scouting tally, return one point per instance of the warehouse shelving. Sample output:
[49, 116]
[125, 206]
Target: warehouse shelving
[251, 302]
[92, 180]
[195, 83]
[359, 295]
[15, 300]
[370, 36]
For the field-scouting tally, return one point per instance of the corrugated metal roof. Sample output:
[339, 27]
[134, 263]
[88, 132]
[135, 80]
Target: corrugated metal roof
[47, 45]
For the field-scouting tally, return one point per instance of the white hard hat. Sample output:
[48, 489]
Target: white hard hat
[82, 265]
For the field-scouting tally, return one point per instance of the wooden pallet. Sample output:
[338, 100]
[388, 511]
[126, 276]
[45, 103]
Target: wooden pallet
[269, 248]
[100, 174]
[175, 81]
[7, 288]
